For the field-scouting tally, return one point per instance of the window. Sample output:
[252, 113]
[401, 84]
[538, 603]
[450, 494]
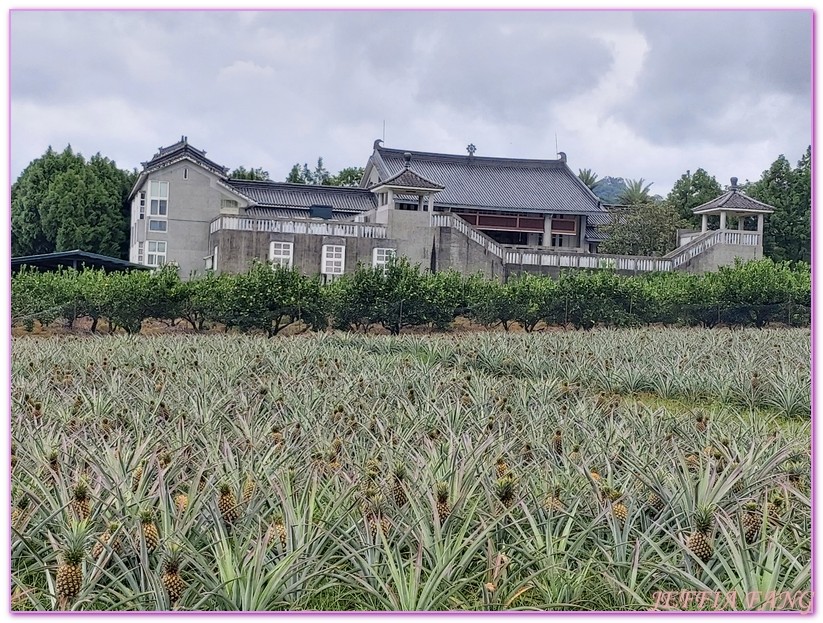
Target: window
[157, 253]
[159, 198]
[381, 257]
[560, 240]
[228, 203]
[281, 253]
[142, 204]
[140, 248]
[155, 225]
[185, 173]
[334, 259]
[214, 260]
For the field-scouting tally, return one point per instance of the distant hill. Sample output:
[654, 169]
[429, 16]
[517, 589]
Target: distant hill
[609, 188]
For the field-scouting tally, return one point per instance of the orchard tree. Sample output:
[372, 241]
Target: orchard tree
[62, 202]
[636, 193]
[690, 191]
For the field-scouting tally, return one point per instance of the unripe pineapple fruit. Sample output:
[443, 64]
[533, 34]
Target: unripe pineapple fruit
[80, 500]
[70, 571]
[171, 579]
[504, 490]
[699, 541]
[557, 442]
[398, 492]
[502, 467]
[227, 504]
[443, 508]
[751, 522]
[150, 532]
[105, 539]
[248, 488]
[181, 502]
[553, 502]
[279, 528]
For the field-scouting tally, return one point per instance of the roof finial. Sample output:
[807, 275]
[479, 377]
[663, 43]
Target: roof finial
[734, 183]
[471, 149]
[407, 158]
[377, 143]
[562, 155]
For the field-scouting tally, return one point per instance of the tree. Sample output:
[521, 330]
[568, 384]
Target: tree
[240, 173]
[787, 232]
[643, 229]
[636, 193]
[321, 175]
[691, 191]
[61, 202]
[350, 176]
[589, 178]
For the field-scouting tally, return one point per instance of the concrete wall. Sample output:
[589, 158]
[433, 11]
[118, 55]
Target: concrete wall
[238, 249]
[721, 255]
[194, 202]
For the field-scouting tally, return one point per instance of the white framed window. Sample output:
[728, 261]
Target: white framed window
[140, 249]
[159, 199]
[334, 259]
[157, 225]
[281, 253]
[228, 203]
[381, 257]
[157, 253]
[142, 204]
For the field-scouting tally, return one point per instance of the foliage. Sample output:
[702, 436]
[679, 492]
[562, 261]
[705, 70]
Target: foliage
[257, 174]
[589, 178]
[690, 191]
[302, 174]
[609, 189]
[636, 193]
[642, 229]
[787, 232]
[61, 202]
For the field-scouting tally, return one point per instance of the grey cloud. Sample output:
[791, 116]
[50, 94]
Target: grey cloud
[707, 73]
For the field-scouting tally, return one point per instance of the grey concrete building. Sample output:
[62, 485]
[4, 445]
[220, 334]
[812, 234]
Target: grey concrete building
[495, 216]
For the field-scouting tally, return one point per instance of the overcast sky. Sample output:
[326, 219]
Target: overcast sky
[644, 94]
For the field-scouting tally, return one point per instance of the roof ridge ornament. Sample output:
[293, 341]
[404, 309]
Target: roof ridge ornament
[377, 143]
[471, 149]
[407, 159]
[562, 155]
[734, 184]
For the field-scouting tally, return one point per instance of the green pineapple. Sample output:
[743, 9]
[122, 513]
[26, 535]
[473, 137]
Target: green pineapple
[699, 541]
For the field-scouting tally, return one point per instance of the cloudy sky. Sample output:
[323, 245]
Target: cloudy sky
[646, 94]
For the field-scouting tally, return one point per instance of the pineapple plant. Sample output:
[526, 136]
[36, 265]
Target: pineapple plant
[172, 582]
[248, 488]
[502, 467]
[505, 490]
[279, 528]
[557, 442]
[106, 539]
[699, 541]
[554, 502]
[654, 502]
[181, 502]
[619, 510]
[397, 489]
[227, 504]
[70, 570]
[18, 511]
[701, 423]
[149, 529]
[751, 521]
[80, 502]
[574, 455]
[137, 476]
[443, 507]
[372, 508]
[775, 508]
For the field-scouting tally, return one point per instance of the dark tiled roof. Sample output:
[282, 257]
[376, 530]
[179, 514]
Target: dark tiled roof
[495, 183]
[48, 261]
[598, 218]
[291, 213]
[284, 195]
[409, 178]
[595, 235]
[178, 150]
[733, 200]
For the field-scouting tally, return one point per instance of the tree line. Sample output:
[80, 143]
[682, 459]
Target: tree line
[402, 296]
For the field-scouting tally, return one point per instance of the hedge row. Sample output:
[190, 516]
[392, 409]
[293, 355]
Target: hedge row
[270, 299]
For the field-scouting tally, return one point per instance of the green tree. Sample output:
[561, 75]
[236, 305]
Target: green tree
[258, 174]
[61, 202]
[643, 229]
[636, 193]
[350, 176]
[690, 191]
[321, 175]
[589, 178]
[787, 232]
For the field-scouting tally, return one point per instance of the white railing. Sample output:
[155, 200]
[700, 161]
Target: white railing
[447, 219]
[560, 259]
[297, 226]
[707, 240]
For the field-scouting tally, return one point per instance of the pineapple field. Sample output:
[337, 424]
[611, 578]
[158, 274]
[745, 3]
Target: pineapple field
[559, 470]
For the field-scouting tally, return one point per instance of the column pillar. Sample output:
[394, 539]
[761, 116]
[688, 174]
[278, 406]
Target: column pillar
[760, 224]
[705, 226]
[722, 219]
[741, 220]
[390, 198]
[547, 230]
[420, 203]
[430, 203]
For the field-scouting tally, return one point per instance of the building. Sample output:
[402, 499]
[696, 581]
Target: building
[495, 216]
